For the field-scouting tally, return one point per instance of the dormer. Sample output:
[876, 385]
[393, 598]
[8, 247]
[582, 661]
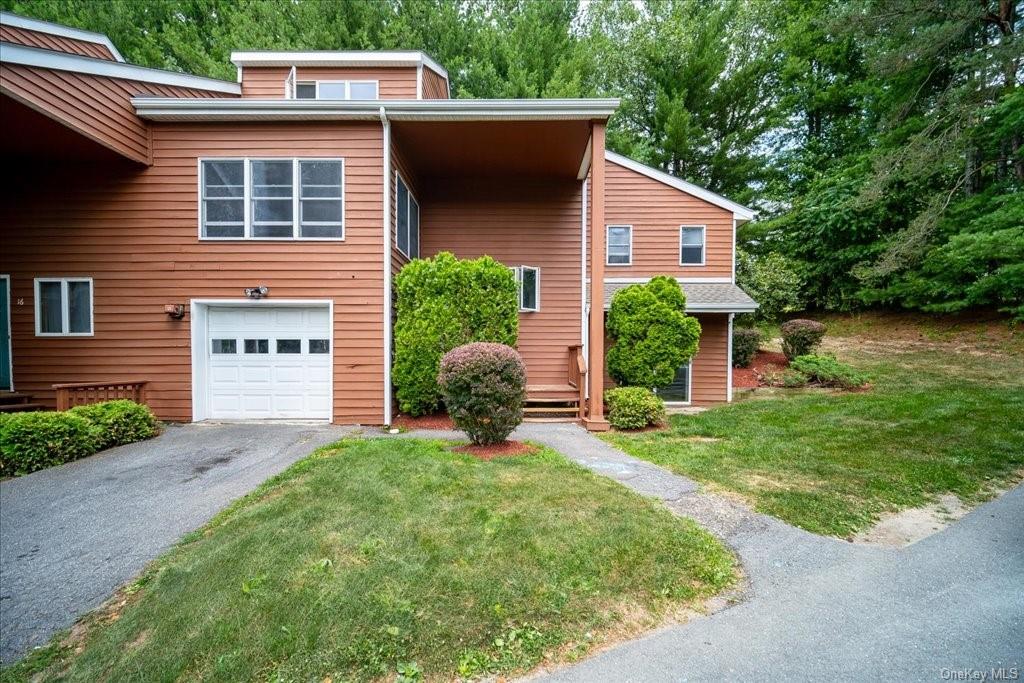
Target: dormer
[350, 75]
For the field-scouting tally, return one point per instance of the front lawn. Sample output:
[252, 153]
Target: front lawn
[377, 557]
[937, 420]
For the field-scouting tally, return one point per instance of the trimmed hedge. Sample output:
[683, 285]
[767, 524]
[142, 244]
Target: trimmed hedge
[651, 332]
[633, 407]
[484, 387]
[442, 303]
[829, 371]
[800, 337]
[745, 343]
[35, 441]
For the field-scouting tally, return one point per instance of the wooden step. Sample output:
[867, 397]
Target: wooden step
[549, 419]
[551, 409]
[20, 407]
[546, 399]
[14, 397]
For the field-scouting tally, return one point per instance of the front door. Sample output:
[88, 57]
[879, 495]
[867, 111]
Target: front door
[5, 333]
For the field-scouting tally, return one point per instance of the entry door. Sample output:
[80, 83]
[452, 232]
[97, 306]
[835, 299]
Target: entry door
[5, 333]
[269, 362]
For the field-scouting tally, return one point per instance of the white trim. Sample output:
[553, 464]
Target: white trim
[689, 387]
[291, 82]
[247, 220]
[386, 229]
[703, 246]
[607, 254]
[393, 58]
[10, 341]
[728, 361]
[588, 155]
[680, 280]
[739, 211]
[584, 306]
[734, 249]
[40, 26]
[251, 109]
[65, 306]
[198, 310]
[518, 271]
[62, 61]
[419, 81]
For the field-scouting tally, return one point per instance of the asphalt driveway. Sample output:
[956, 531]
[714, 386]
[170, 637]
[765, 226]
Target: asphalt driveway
[71, 535]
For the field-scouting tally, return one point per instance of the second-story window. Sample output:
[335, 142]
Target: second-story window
[620, 245]
[272, 199]
[336, 90]
[691, 245]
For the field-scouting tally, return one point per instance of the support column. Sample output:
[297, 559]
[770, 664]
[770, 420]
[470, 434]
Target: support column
[595, 362]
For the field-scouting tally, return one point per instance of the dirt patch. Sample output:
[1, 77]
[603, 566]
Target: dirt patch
[498, 450]
[435, 421]
[764, 362]
[898, 529]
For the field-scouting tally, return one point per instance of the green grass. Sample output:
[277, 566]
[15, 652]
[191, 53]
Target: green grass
[935, 422]
[377, 556]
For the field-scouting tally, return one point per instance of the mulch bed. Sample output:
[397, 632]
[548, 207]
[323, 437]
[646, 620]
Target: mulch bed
[750, 377]
[435, 421]
[498, 450]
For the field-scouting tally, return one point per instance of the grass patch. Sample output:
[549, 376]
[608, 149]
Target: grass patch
[935, 422]
[378, 557]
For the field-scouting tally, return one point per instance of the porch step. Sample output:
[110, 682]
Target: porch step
[21, 407]
[7, 397]
[550, 409]
[548, 419]
[551, 392]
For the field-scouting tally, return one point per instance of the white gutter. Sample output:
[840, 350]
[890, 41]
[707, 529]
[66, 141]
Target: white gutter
[40, 26]
[584, 306]
[387, 264]
[728, 360]
[62, 61]
[214, 109]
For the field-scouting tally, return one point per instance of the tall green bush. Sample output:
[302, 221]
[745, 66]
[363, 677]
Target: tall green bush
[444, 302]
[651, 333]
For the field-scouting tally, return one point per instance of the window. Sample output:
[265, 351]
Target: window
[63, 307]
[620, 245]
[289, 346]
[678, 391]
[225, 346]
[336, 90]
[257, 346]
[319, 345]
[528, 280]
[272, 199]
[407, 220]
[691, 245]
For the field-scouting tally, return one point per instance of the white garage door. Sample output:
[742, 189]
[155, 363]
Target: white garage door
[266, 362]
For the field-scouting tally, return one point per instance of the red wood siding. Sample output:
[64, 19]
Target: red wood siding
[95, 106]
[394, 83]
[535, 223]
[134, 231]
[656, 211]
[434, 85]
[710, 374]
[48, 41]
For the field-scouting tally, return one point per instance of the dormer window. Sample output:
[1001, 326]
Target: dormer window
[336, 90]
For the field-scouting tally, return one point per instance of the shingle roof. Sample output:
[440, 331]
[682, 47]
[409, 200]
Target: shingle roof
[700, 297]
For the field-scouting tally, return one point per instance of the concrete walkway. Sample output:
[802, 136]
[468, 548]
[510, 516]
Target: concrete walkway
[820, 608]
[71, 535]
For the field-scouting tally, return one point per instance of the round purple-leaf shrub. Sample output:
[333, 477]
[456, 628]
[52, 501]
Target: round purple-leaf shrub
[484, 387]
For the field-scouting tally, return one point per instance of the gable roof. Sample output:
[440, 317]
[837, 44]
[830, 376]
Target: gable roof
[40, 26]
[740, 212]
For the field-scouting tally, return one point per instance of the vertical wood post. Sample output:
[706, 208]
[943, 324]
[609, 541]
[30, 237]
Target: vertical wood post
[595, 416]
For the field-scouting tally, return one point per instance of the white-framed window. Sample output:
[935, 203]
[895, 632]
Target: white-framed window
[691, 245]
[63, 306]
[337, 90]
[272, 199]
[528, 282]
[619, 245]
[679, 390]
[407, 219]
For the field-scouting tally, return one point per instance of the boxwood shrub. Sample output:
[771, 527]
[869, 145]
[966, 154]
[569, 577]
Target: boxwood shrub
[800, 337]
[633, 407]
[119, 422]
[35, 441]
[484, 387]
[745, 343]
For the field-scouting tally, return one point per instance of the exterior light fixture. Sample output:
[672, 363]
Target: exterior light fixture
[257, 292]
[175, 311]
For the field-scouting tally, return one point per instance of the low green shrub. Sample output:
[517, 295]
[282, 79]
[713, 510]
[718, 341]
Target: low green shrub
[119, 422]
[35, 441]
[745, 342]
[829, 371]
[484, 386]
[800, 337]
[794, 378]
[633, 407]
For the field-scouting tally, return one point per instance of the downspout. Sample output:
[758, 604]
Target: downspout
[584, 307]
[387, 264]
[728, 360]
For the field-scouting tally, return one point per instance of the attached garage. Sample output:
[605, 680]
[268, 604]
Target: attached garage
[262, 360]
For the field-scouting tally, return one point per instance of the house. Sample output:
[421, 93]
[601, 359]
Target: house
[233, 244]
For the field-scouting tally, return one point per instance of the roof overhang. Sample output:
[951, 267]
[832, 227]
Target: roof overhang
[197, 109]
[18, 21]
[740, 213]
[354, 58]
[702, 295]
[63, 61]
